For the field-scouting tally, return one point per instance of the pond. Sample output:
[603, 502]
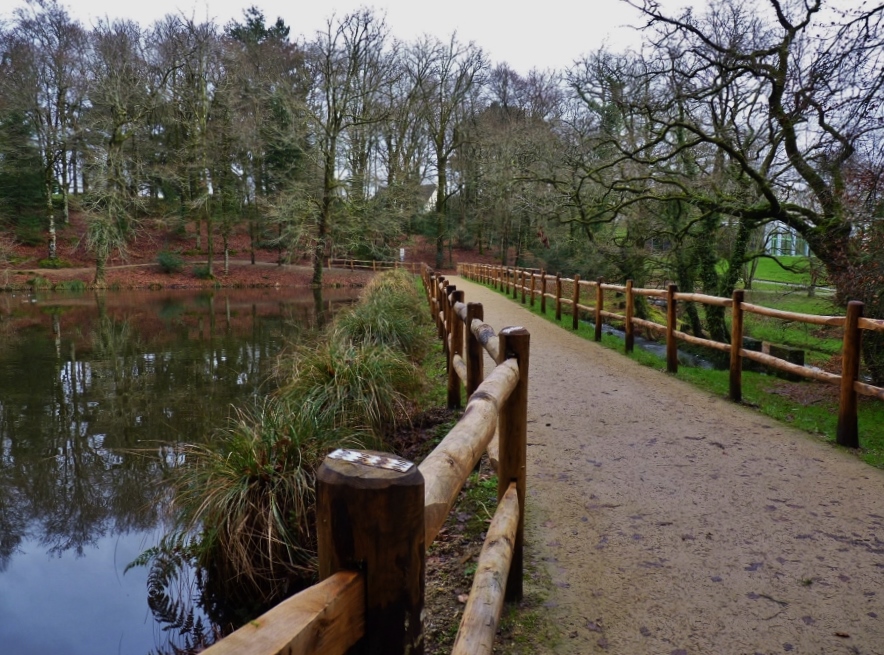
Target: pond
[95, 390]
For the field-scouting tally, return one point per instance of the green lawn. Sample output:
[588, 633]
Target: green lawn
[769, 270]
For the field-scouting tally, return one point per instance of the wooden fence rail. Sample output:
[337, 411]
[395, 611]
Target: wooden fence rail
[377, 514]
[373, 265]
[853, 324]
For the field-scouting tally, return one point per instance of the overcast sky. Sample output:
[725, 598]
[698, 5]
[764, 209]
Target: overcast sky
[547, 34]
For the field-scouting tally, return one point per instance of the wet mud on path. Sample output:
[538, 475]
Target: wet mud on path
[674, 522]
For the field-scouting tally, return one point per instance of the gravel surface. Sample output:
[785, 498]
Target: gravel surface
[675, 522]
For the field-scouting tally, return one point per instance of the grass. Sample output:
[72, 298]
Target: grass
[366, 388]
[818, 415]
[386, 317]
[769, 270]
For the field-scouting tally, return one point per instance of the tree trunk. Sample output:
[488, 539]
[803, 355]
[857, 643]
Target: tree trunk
[100, 266]
[441, 201]
[53, 244]
[64, 186]
[226, 255]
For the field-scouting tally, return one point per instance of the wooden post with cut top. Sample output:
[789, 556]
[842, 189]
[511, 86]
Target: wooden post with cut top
[671, 318]
[474, 350]
[736, 363]
[599, 306]
[513, 441]
[847, 433]
[575, 301]
[558, 296]
[370, 518]
[630, 310]
[456, 331]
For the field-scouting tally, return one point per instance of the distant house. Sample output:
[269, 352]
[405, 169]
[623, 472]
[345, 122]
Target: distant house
[782, 240]
[422, 198]
[427, 194]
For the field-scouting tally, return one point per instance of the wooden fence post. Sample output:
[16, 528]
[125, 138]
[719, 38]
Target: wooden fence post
[516, 275]
[456, 331]
[475, 352]
[370, 517]
[848, 428]
[513, 440]
[599, 306]
[736, 372]
[630, 310]
[533, 285]
[543, 292]
[439, 291]
[524, 286]
[575, 311]
[671, 318]
[558, 296]
[446, 320]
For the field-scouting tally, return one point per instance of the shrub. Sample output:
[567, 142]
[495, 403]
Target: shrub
[71, 285]
[56, 263]
[170, 262]
[201, 271]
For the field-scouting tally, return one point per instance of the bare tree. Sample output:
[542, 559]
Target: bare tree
[42, 52]
[447, 74]
[348, 67]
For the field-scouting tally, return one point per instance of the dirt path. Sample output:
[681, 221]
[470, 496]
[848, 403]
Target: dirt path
[673, 522]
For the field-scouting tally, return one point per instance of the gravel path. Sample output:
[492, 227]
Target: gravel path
[674, 522]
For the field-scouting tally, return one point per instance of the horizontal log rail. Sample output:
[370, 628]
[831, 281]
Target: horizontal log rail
[481, 615]
[852, 324]
[374, 265]
[328, 618]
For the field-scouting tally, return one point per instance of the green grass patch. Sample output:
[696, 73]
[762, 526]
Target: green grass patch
[770, 270]
[71, 285]
[820, 343]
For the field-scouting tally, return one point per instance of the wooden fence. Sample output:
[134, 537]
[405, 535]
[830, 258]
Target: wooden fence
[590, 297]
[376, 514]
[374, 265]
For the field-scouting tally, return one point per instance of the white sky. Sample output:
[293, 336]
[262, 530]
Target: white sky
[548, 34]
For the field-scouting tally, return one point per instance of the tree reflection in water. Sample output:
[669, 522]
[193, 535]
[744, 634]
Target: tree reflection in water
[95, 391]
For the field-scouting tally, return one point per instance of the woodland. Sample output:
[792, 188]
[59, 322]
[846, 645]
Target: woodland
[669, 162]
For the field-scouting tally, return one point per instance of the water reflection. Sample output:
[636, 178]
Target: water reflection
[93, 391]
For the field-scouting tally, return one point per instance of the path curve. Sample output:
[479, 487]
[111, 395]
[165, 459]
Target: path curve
[674, 522]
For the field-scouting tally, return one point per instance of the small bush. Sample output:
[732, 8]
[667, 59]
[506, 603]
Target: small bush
[40, 282]
[54, 263]
[71, 285]
[201, 271]
[170, 262]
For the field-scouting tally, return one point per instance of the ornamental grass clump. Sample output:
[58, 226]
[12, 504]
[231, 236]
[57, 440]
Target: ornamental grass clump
[248, 496]
[387, 315]
[343, 386]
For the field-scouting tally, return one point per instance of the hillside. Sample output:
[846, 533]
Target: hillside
[138, 267]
